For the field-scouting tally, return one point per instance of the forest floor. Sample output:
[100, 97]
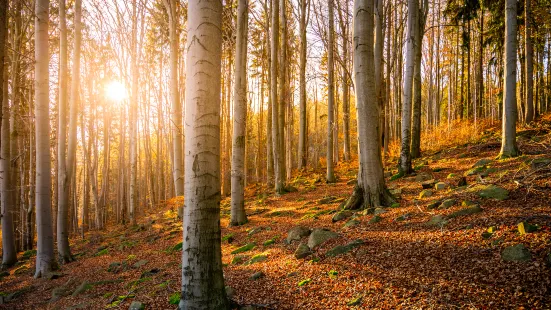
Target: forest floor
[418, 254]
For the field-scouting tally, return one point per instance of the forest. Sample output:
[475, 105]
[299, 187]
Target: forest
[275, 154]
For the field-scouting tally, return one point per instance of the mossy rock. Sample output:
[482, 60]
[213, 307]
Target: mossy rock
[483, 162]
[440, 186]
[491, 191]
[516, 253]
[302, 251]
[297, 233]
[433, 205]
[342, 249]
[376, 219]
[257, 259]
[526, 228]
[238, 259]
[319, 236]
[474, 171]
[425, 194]
[437, 220]
[269, 242]
[355, 301]
[257, 275]
[28, 254]
[352, 223]
[446, 204]
[244, 248]
[451, 176]
[83, 287]
[466, 211]
[341, 215]
[140, 263]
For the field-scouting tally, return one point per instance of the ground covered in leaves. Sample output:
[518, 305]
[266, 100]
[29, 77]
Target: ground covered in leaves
[468, 231]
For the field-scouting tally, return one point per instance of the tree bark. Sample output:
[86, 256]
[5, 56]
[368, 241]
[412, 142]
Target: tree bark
[508, 138]
[238, 215]
[276, 146]
[330, 176]
[133, 192]
[529, 50]
[45, 244]
[405, 150]
[302, 136]
[202, 280]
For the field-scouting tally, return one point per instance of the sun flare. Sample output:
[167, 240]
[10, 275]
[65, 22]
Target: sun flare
[115, 91]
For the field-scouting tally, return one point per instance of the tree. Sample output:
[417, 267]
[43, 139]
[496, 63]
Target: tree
[276, 145]
[176, 105]
[66, 165]
[133, 201]
[7, 187]
[529, 50]
[45, 243]
[508, 136]
[370, 192]
[238, 215]
[3, 36]
[302, 141]
[202, 280]
[405, 149]
[330, 176]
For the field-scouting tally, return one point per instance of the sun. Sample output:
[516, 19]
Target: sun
[115, 91]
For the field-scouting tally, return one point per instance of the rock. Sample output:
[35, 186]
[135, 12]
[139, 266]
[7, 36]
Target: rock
[20, 270]
[257, 275]
[83, 287]
[269, 242]
[425, 193]
[238, 259]
[326, 200]
[255, 230]
[516, 253]
[296, 233]
[403, 217]
[526, 228]
[341, 249]
[114, 267]
[355, 301]
[379, 211]
[440, 186]
[422, 177]
[433, 205]
[487, 172]
[375, 219]
[291, 189]
[437, 220]
[257, 259]
[395, 205]
[540, 163]
[53, 275]
[466, 211]
[492, 191]
[351, 223]
[244, 248]
[451, 175]
[63, 290]
[319, 236]
[397, 193]
[474, 171]
[230, 292]
[302, 251]
[428, 184]
[140, 263]
[467, 203]
[462, 182]
[446, 204]
[341, 215]
[483, 162]
[136, 305]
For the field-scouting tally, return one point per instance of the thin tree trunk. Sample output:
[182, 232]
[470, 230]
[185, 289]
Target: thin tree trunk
[330, 176]
[238, 216]
[133, 192]
[529, 50]
[276, 146]
[302, 142]
[508, 139]
[45, 244]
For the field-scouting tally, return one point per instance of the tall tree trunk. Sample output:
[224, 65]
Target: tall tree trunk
[378, 64]
[133, 192]
[529, 50]
[405, 150]
[3, 37]
[303, 134]
[276, 146]
[417, 96]
[45, 244]
[283, 89]
[330, 177]
[370, 191]
[238, 216]
[7, 188]
[508, 138]
[202, 279]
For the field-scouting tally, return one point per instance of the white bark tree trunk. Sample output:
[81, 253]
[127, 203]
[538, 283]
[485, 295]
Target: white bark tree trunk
[302, 136]
[238, 215]
[45, 242]
[529, 63]
[133, 126]
[202, 279]
[405, 150]
[508, 137]
[276, 145]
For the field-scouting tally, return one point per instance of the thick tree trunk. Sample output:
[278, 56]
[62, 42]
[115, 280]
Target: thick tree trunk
[417, 96]
[202, 280]
[45, 244]
[238, 215]
[508, 138]
[3, 37]
[371, 184]
[330, 176]
[405, 150]
[276, 146]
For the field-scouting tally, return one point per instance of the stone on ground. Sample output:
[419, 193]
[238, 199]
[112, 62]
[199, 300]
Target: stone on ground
[296, 233]
[492, 191]
[319, 236]
[526, 228]
[425, 193]
[341, 215]
[136, 305]
[483, 162]
[437, 220]
[257, 275]
[302, 251]
[516, 253]
[466, 211]
[341, 249]
[440, 186]
[446, 204]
